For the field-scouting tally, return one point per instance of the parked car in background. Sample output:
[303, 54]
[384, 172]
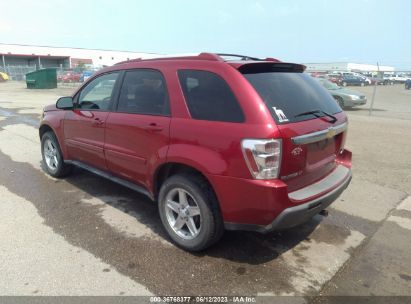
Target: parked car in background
[396, 78]
[380, 81]
[335, 78]
[319, 74]
[352, 80]
[346, 98]
[250, 144]
[86, 75]
[408, 84]
[70, 76]
[366, 79]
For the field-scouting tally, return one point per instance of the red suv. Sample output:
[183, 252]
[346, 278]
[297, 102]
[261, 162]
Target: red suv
[248, 144]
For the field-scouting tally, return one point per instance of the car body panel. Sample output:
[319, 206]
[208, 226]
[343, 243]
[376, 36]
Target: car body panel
[313, 161]
[84, 133]
[134, 143]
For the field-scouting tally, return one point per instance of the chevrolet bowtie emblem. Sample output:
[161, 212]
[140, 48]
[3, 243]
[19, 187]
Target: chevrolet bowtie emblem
[331, 133]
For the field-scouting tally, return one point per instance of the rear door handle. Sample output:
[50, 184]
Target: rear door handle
[153, 127]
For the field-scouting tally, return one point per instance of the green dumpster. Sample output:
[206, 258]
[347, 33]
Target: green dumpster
[42, 79]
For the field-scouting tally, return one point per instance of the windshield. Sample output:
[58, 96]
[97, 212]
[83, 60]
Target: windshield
[289, 94]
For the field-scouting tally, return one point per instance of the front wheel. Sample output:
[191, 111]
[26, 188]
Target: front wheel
[52, 156]
[189, 212]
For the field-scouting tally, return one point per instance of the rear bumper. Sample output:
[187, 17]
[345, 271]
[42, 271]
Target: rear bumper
[294, 216]
[266, 205]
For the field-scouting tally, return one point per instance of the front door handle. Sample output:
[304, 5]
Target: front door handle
[97, 122]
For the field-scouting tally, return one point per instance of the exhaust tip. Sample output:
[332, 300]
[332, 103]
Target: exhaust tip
[324, 212]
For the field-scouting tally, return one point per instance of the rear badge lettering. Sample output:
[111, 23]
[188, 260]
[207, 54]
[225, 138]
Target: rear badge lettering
[296, 151]
[280, 114]
[292, 175]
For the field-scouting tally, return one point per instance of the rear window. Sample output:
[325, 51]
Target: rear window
[288, 94]
[209, 97]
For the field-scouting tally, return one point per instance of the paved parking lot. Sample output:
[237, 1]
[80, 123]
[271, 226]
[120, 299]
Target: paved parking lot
[84, 235]
[390, 101]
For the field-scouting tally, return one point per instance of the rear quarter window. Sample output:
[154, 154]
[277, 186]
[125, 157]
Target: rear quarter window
[209, 97]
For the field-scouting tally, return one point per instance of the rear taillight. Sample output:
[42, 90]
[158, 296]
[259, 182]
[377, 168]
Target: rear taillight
[263, 157]
[343, 139]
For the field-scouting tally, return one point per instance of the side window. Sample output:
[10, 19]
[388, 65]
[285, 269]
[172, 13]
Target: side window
[209, 97]
[144, 92]
[98, 94]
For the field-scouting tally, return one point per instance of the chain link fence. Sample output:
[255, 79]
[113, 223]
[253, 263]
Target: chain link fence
[17, 72]
[66, 78]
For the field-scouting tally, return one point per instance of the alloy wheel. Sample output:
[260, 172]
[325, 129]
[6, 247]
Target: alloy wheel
[50, 154]
[183, 213]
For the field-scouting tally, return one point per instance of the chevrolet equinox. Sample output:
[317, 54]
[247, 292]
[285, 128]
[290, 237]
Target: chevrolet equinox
[236, 144]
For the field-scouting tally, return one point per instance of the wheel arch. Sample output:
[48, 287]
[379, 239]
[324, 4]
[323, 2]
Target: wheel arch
[172, 168]
[45, 127]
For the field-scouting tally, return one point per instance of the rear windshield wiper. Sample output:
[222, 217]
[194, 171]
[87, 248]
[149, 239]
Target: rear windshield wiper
[316, 112]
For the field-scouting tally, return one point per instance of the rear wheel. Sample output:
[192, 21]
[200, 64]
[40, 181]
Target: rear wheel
[189, 212]
[52, 156]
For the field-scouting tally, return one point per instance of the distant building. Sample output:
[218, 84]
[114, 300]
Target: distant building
[347, 66]
[46, 56]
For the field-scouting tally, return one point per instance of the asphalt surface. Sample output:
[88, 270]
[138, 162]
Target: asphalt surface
[84, 235]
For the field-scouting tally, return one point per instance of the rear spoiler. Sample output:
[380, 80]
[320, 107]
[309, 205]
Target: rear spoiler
[268, 67]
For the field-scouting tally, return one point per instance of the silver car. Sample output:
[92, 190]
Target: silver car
[346, 98]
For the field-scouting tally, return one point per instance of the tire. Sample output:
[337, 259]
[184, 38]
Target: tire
[52, 157]
[190, 193]
[344, 84]
[340, 101]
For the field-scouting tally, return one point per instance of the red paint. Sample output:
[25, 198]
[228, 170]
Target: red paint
[69, 77]
[84, 133]
[134, 146]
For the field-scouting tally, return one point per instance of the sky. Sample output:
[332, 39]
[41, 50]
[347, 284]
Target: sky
[364, 31]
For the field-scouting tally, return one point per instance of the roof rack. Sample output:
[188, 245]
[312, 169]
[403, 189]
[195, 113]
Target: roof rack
[203, 56]
[242, 57]
[246, 58]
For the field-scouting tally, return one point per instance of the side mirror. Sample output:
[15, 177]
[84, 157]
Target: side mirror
[65, 103]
